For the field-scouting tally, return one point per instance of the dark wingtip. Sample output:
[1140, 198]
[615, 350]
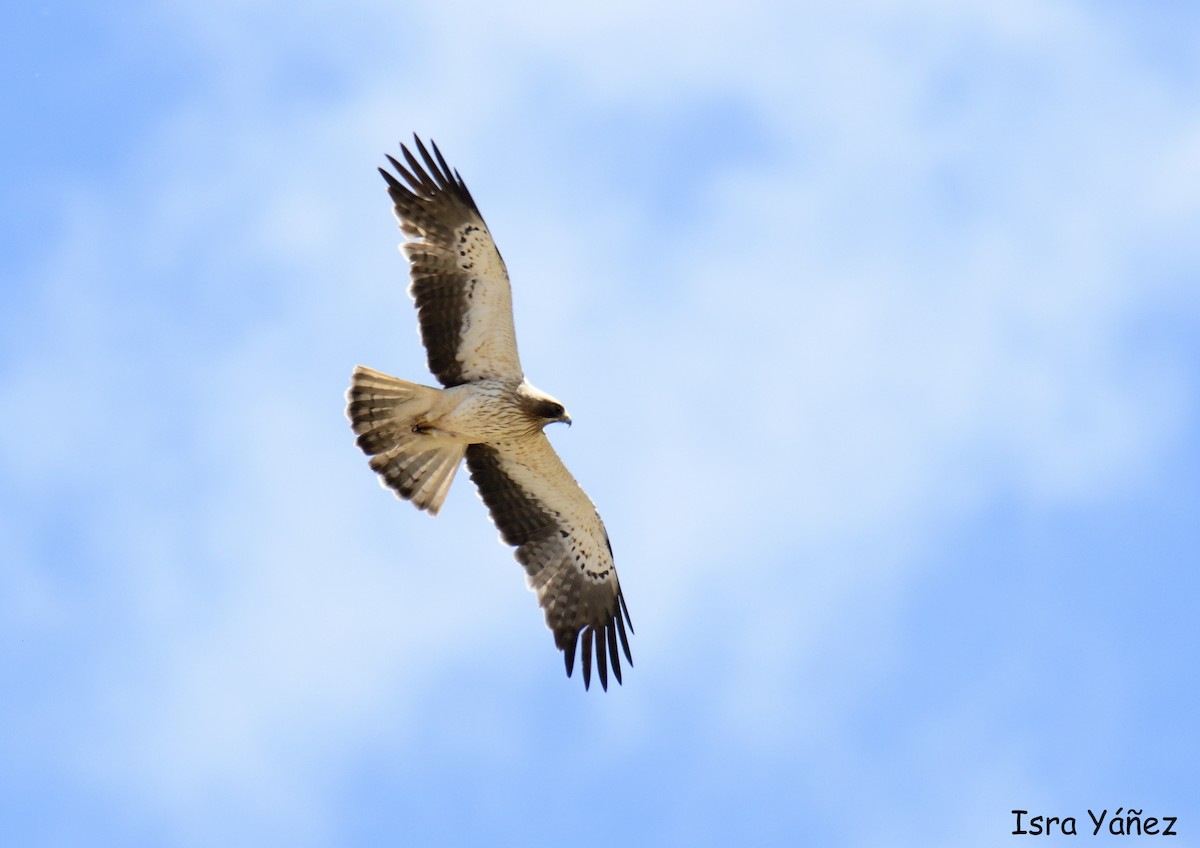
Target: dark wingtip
[603, 660]
[420, 179]
[449, 172]
[387, 176]
[424, 151]
[394, 185]
[587, 658]
[621, 616]
[569, 656]
[611, 632]
[600, 646]
[427, 176]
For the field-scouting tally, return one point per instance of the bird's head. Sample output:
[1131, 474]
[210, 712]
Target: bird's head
[543, 408]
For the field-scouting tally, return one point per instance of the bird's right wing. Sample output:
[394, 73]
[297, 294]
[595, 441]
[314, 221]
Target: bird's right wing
[459, 282]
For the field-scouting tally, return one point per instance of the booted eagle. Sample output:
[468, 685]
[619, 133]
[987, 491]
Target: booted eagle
[416, 436]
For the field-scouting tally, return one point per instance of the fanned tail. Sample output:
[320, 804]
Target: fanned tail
[385, 412]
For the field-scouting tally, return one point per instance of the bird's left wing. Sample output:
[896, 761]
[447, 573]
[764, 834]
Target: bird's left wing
[538, 507]
[459, 282]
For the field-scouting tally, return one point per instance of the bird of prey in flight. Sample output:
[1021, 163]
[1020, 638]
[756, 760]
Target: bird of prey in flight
[416, 436]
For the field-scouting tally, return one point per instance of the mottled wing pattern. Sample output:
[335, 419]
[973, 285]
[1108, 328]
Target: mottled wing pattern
[459, 281]
[561, 541]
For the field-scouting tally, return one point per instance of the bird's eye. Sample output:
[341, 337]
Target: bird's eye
[551, 410]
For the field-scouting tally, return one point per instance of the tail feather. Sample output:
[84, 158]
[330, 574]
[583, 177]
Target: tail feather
[386, 414]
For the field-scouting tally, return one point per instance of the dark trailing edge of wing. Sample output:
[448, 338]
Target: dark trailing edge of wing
[530, 526]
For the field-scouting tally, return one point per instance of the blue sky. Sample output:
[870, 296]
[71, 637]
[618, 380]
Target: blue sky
[878, 325]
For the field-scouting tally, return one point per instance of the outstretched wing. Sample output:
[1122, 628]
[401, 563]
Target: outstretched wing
[459, 281]
[561, 541]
